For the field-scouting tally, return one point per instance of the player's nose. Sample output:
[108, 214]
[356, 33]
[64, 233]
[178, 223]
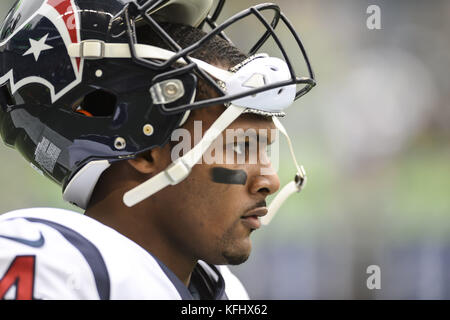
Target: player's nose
[265, 183]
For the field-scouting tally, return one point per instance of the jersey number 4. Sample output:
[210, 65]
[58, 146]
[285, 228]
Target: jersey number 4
[20, 274]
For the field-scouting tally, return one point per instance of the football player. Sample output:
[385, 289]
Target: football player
[92, 94]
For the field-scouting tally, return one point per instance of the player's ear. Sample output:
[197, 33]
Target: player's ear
[148, 162]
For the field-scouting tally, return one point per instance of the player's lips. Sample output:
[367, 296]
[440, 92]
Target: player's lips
[251, 218]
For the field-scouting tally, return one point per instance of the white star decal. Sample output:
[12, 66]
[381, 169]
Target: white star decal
[37, 46]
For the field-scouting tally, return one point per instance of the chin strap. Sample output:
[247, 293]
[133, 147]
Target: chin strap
[181, 168]
[97, 49]
[251, 75]
[292, 187]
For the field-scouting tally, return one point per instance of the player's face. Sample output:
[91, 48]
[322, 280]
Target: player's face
[207, 209]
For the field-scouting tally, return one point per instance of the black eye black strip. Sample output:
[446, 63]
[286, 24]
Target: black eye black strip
[228, 176]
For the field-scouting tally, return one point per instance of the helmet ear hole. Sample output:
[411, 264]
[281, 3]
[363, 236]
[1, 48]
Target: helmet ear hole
[99, 103]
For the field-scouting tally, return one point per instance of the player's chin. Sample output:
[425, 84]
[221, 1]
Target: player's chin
[239, 253]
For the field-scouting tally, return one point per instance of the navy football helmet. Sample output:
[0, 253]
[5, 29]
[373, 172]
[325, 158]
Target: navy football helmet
[58, 55]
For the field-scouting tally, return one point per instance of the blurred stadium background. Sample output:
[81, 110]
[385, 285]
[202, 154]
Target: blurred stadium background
[374, 139]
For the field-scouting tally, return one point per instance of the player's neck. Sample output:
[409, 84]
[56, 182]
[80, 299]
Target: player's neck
[146, 234]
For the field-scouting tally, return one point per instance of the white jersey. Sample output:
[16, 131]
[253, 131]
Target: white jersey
[48, 253]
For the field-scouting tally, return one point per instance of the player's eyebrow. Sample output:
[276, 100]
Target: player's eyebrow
[264, 138]
[260, 137]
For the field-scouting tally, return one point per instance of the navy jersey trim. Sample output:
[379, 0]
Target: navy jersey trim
[220, 292]
[217, 288]
[181, 288]
[90, 253]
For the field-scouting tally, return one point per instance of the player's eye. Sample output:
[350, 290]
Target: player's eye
[241, 147]
[266, 148]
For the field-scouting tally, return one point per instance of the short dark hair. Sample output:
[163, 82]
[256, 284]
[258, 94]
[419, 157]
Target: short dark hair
[215, 51]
